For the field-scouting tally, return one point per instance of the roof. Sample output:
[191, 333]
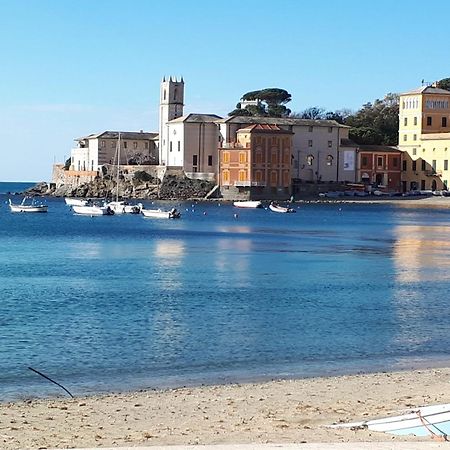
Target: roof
[123, 135]
[282, 121]
[428, 90]
[196, 118]
[378, 148]
[264, 128]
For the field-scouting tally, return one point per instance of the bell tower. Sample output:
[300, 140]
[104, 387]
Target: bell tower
[171, 104]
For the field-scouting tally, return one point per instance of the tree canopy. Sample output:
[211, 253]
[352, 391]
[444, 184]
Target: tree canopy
[444, 84]
[270, 103]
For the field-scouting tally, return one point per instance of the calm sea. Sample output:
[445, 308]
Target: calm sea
[123, 302]
[14, 187]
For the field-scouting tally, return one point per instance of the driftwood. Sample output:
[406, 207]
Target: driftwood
[49, 379]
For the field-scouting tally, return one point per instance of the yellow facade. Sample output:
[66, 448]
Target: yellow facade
[424, 136]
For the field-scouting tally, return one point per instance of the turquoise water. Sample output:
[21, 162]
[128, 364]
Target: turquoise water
[124, 302]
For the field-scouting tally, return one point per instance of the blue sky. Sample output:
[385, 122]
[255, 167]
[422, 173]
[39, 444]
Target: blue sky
[74, 67]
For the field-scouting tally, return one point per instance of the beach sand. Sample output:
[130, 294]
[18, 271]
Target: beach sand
[284, 411]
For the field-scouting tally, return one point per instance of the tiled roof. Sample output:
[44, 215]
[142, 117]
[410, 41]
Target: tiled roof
[427, 90]
[263, 128]
[196, 118]
[123, 135]
[282, 121]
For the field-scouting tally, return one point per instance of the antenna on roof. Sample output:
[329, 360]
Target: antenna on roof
[426, 83]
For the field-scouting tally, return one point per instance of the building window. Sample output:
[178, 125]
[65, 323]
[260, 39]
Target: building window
[329, 160]
[310, 129]
[209, 160]
[125, 144]
[164, 96]
[395, 162]
[415, 120]
[330, 129]
[146, 145]
[274, 157]
[414, 137]
[405, 121]
[258, 157]
[103, 144]
[170, 146]
[310, 143]
[242, 157]
[422, 185]
[445, 164]
[433, 164]
[405, 166]
[226, 157]
[179, 146]
[113, 144]
[380, 161]
[444, 122]
[405, 137]
[429, 121]
[330, 144]
[135, 145]
[424, 164]
[364, 161]
[414, 151]
[414, 166]
[226, 177]
[194, 160]
[242, 175]
[309, 160]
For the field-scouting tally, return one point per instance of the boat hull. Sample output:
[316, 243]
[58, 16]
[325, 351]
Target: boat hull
[160, 214]
[92, 210]
[29, 209]
[281, 209]
[248, 204]
[76, 201]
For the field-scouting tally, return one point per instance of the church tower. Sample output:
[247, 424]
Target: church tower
[170, 107]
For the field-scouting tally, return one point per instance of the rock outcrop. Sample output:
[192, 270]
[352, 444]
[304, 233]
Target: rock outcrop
[142, 186]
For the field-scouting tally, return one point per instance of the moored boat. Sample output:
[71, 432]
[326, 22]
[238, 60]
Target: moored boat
[93, 210]
[423, 421]
[248, 204]
[161, 214]
[32, 207]
[123, 207]
[275, 207]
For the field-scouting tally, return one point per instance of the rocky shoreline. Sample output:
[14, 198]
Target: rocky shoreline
[173, 187]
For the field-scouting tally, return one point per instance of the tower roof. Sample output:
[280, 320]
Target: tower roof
[197, 118]
[427, 90]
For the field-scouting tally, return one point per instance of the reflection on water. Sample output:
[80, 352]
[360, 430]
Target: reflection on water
[168, 255]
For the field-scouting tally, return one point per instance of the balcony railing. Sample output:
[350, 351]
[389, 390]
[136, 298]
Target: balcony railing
[235, 145]
[247, 183]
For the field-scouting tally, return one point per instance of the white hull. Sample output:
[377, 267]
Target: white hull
[124, 208]
[424, 421]
[76, 201]
[281, 209]
[248, 204]
[160, 214]
[92, 210]
[30, 208]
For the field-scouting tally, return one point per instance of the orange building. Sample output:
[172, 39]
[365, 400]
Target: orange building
[257, 165]
[381, 166]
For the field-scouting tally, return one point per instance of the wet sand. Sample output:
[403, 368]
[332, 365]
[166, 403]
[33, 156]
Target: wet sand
[288, 411]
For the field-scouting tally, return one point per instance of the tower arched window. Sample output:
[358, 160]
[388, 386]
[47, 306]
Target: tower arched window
[175, 94]
[164, 94]
[329, 160]
[309, 160]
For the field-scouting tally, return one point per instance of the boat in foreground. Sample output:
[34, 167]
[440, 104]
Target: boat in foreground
[423, 421]
[31, 207]
[248, 204]
[93, 210]
[275, 207]
[161, 214]
[123, 207]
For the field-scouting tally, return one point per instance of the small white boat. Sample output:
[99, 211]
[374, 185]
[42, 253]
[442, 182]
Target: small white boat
[423, 421]
[31, 207]
[280, 209]
[248, 204]
[70, 201]
[123, 207]
[161, 214]
[93, 210]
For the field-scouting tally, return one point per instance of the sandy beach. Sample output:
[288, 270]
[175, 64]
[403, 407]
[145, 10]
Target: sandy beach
[283, 411]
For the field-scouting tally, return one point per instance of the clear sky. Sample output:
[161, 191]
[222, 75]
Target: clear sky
[75, 67]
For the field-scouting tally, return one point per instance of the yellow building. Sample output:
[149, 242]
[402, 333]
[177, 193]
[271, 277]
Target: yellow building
[424, 136]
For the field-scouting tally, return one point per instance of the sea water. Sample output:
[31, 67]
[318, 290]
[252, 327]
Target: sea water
[118, 303]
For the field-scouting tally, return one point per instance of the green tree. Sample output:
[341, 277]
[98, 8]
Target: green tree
[444, 84]
[270, 102]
